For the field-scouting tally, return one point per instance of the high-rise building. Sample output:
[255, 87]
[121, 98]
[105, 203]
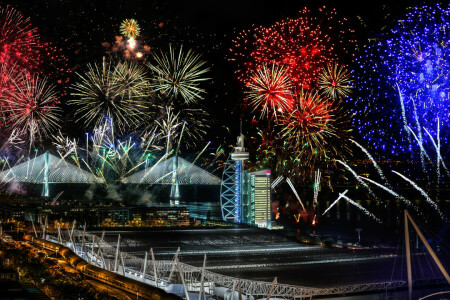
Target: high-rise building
[251, 198]
[260, 197]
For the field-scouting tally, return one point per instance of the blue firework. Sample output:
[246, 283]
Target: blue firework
[404, 93]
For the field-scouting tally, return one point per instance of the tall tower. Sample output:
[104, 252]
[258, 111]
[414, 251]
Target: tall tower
[175, 188]
[234, 189]
[238, 156]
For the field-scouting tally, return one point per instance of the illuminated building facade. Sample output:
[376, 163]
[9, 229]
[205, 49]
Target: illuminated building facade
[256, 199]
[259, 194]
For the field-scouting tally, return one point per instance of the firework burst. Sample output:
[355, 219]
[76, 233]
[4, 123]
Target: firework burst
[130, 28]
[302, 45]
[115, 92]
[335, 81]
[314, 127]
[31, 107]
[308, 124]
[19, 42]
[404, 80]
[270, 90]
[179, 74]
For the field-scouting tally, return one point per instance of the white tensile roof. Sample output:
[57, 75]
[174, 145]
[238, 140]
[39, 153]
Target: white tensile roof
[161, 173]
[59, 171]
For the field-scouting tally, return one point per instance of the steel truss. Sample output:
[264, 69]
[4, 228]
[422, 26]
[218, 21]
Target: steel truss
[229, 198]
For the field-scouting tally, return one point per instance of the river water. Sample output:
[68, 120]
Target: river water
[262, 255]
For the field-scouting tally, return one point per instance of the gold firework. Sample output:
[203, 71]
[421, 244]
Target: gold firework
[130, 28]
[179, 74]
[335, 81]
[117, 92]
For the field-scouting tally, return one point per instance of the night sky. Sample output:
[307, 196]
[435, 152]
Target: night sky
[81, 28]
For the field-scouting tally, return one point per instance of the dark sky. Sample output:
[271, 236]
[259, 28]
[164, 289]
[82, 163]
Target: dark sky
[80, 27]
[220, 16]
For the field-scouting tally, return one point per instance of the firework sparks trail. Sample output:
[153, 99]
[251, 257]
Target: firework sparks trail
[181, 137]
[148, 144]
[168, 127]
[6, 164]
[358, 179]
[380, 172]
[295, 192]
[316, 185]
[402, 106]
[431, 202]
[438, 158]
[32, 165]
[419, 143]
[14, 140]
[406, 201]
[335, 201]
[164, 157]
[199, 154]
[438, 152]
[217, 154]
[316, 193]
[416, 118]
[365, 211]
[276, 182]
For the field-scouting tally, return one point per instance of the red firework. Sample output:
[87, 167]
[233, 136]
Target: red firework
[21, 47]
[19, 41]
[302, 46]
[22, 53]
[270, 91]
[30, 106]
